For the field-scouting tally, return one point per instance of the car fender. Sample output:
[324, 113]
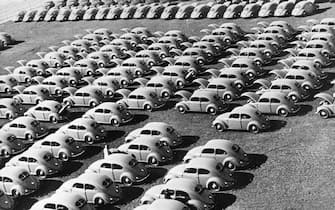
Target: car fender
[325, 108]
[251, 95]
[123, 92]
[282, 106]
[201, 81]
[279, 73]
[89, 80]
[295, 93]
[253, 122]
[141, 81]
[154, 155]
[213, 72]
[18, 188]
[307, 83]
[101, 195]
[70, 90]
[325, 97]
[263, 83]
[231, 158]
[41, 167]
[184, 94]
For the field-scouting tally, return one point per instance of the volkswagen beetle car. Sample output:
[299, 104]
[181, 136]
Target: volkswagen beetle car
[96, 188]
[268, 9]
[40, 14]
[231, 155]
[271, 102]
[26, 128]
[63, 200]
[200, 101]
[142, 11]
[304, 8]
[200, 11]
[64, 14]
[217, 11]
[233, 11]
[84, 130]
[164, 204]
[213, 174]
[29, 16]
[109, 113]
[184, 11]
[155, 11]
[157, 129]
[48, 110]
[61, 146]
[128, 12]
[185, 190]
[10, 145]
[37, 162]
[51, 14]
[170, 12]
[114, 13]
[284, 9]
[32, 95]
[141, 98]
[121, 74]
[102, 13]
[19, 16]
[9, 108]
[148, 149]
[90, 13]
[16, 181]
[89, 96]
[77, 13]
[250, 10]
[121, 167]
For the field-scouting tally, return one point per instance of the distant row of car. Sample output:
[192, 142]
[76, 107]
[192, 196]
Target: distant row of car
[174, 11]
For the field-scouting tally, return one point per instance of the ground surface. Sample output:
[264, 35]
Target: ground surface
[293, 163]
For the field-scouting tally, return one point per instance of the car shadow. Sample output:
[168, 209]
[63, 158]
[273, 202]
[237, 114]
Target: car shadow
[90, 151]
[106, 207]
[155, 173]
[47, 186]
[24, 203]
[138, 118]
[73, 114]
[223, 200]
[169, 105]
[242, 179]
[305, 108]
[276, 125]
[178, 156]
[321, 10]
[256, 160]
[112, 135]
[70, 167]
[130, 193]
[188, 141]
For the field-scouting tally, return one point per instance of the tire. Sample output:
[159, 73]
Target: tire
[148, 107]
[153, 161]
[253, 129]
[63, 156]
[115, 123]
[213, 186]
[166, 95]
[181, 109]
[211, 110]
[93, 104]
[40, 173]
[228, 97]
[15, 193]
[307, 87]
[180, 84]
[38, 101]
[239, 86]
[89, 140]
[318, 64]
[324, 114]
[53, 119]
[283, 112]
[9, 116]
[29, 137]
[126, 181]
[294, 98]
[99, 201]
[219, 127]
[231, 166]
[251, 75]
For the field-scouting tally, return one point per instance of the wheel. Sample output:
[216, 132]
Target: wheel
[181, 109]
[253, 129]
[219, 127]
[211, 110]
[88, 139]
[239, 86]
[180, 84]
[4, 153]
[126, 181]
[53, 119]
[324, 114]
[9, 116]
[153, 161]
[99, 201]
[251, 75]
[151, 63]
[294, 98]
[231, 166]
[148, 107]
[227, 97]
[213, 186]
[15, 193]
[318, 64]
[115, 122]
[29, 137]
[63, 156]
[283, 112]
[166, 95]
[306, 87]
[109, 93]
[40, 173]
[93, 104]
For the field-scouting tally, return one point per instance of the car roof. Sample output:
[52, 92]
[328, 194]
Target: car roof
[204, 93]
[247, 108]
[273, 94]
[92, 178]
[218, 143]
[201, 162]
[85, 121]
[12, 171]
[50, 103]
[64, 198]
[23, 119]
[282, 81]
[181, 183]
[146, 140]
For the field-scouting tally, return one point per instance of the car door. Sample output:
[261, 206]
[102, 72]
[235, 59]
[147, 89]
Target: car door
[132, 101]
[145, 151]
[140, 101]
[106, 169]
[204, 102]
[81, 130]
[190, 173]
[234, 121]
[203, 175]
[245, 119]
[90, 191]
[79, 188]
[21, 130]
[55, 147]
[46, 145]
[32, 164]
[38, 112]
[99, 115]
[194, 104]
[207, 152]
[274, 104]
[134, 150]
[107, 115]
[86, 98]
[117, 171]
[263, 105]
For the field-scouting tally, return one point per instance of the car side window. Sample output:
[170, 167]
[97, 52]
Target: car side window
[208, 151]
[144, 147]
[203, 99]
[220, 152]
[21, 126]
[55, 144]
[89, 187]
[203, 171]
[46, 143]
[275, 100]
[156, 133]
[6, 179]
[133, 146]
[275, 87]
[61, 207]
[264, 100]
[245, 116]
[117, 167]
[14, 125]
[23, 159]
[78, 185]
[50, 206]
[234, 116]
[190, 170]
[146, 132]
[99, 110]
[32, 160]
[106, 165]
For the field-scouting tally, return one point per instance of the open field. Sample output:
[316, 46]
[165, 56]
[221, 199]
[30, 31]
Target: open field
[293, 163]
